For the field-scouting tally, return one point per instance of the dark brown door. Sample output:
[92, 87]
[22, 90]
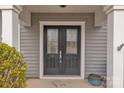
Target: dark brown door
[62, 50]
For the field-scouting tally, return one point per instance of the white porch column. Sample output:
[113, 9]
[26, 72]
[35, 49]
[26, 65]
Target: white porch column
[10, 22]
[0, 26]
[115, 58]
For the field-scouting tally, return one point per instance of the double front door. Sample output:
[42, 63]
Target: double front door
[62, 50]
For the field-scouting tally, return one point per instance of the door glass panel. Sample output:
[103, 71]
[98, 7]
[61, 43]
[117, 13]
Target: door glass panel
[71, 41]
[52, 41]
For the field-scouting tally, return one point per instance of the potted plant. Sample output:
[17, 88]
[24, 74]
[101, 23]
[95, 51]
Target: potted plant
[95, 79]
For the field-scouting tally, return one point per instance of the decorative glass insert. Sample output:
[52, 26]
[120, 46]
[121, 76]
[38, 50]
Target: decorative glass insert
[52, 41]
[71, 41]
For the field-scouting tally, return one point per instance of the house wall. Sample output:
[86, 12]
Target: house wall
[25, 17]
[95, 43]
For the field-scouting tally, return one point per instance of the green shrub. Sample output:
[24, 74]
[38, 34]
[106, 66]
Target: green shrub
[12, 67]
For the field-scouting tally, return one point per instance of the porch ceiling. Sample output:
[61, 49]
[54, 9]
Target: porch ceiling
[67, 9]
[100, 17]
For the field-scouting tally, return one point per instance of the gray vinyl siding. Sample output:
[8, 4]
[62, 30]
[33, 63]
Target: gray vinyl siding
[95, 51]
[30, 49]
[95, 42]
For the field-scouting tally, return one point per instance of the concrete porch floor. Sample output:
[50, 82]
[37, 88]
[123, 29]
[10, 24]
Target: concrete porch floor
[59, 83]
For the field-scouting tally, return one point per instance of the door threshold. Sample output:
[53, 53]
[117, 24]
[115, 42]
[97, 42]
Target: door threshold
[61, 77]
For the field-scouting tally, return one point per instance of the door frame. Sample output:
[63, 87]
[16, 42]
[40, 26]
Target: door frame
[62, 23]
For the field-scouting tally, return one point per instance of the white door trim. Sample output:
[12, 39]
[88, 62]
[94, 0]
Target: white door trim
[72, 23]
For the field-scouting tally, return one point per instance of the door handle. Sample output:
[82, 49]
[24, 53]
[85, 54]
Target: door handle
[60, 56]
